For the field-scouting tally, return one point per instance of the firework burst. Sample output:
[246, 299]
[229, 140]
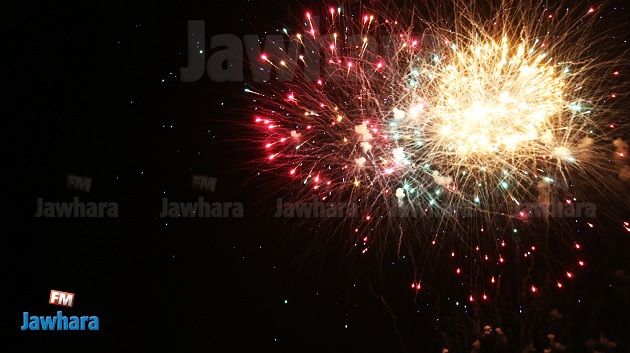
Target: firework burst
[467, 120]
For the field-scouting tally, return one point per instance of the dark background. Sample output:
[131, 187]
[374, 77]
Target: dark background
[94, 90]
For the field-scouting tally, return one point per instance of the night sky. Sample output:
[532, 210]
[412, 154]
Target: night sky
[95, 90]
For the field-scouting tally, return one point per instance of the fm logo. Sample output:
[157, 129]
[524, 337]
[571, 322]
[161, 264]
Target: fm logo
[204, 183]
[79, 183]
[61, 298]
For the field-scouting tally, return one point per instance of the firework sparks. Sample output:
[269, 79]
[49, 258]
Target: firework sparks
[481, 116]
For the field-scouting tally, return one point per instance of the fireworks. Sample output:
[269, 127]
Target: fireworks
[451, 115]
